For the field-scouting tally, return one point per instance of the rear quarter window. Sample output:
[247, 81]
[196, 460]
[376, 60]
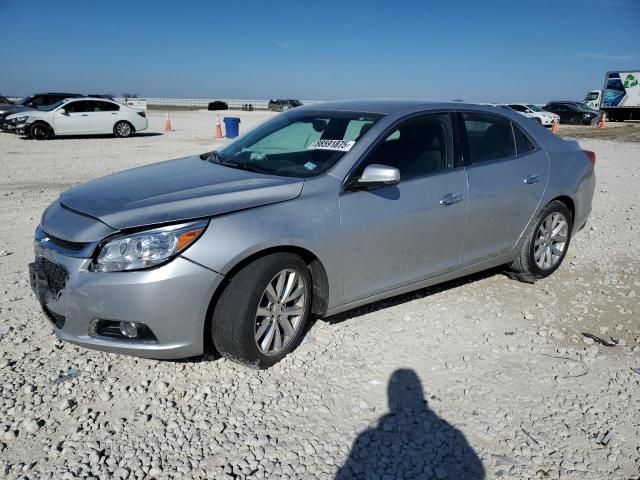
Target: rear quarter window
[524, 144]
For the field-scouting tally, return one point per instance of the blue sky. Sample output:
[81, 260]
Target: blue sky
[476, 50]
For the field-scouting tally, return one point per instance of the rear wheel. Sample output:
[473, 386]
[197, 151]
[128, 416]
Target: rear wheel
[547, 241]
[40, 131]
[262, 313]
[123, 129]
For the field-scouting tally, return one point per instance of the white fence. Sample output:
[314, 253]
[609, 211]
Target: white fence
[233, 103]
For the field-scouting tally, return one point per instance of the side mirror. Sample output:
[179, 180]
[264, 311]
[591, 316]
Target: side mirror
[62, 111]
[376, 176]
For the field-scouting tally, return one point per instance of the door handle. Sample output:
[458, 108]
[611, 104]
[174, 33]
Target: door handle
[531, 179]
[451, 199]
[85, 114]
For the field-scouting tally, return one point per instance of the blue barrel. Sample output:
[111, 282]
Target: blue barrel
[231, 126]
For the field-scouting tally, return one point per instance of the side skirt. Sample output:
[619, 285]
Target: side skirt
[463, 272]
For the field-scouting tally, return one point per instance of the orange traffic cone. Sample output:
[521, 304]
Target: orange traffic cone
[554, 127]
[167, 124]
[602, 123]
[218, 129]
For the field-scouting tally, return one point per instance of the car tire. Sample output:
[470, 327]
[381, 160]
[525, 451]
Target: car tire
[538, 120]
[123, 129]
[576, 121]
[254, 321]
[40, 131]
[542, 251]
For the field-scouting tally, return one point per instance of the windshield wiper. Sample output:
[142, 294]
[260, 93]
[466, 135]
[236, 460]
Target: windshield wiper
[247, 167]
[214, 157]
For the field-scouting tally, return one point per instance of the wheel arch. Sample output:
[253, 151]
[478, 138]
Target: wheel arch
[568, 201]
[133, 127]
[319, 279]
[43, 122]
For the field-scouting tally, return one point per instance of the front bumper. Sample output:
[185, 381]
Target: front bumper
[7, 127]
[171, 300]
[22, 129]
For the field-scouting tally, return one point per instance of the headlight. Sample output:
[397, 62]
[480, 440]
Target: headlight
[147, 249]
[20, 119]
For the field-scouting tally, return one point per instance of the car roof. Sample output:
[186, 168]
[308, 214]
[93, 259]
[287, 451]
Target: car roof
[100, 99]
[388, 106]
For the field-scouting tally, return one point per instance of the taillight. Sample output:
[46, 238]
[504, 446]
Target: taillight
[142, 114]
[591, 156]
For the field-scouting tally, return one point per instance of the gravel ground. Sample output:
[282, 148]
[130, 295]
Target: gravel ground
[481, 377]
[628, 131]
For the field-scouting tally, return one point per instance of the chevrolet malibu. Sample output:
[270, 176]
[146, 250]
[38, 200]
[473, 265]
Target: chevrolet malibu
[319, 210]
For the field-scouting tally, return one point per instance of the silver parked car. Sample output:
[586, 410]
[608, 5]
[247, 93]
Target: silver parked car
[320, 210]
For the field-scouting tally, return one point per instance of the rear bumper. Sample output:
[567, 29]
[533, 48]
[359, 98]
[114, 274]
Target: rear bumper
[171, 301]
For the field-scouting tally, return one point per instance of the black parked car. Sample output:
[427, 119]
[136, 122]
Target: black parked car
[5, 101]
[32, 102]
[218, 105]
[573, 113]
[283, 105]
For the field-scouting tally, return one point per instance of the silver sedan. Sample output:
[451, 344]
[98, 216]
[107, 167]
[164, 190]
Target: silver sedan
[320, 210]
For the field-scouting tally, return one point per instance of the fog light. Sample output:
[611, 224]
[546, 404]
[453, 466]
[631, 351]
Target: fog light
[129, 329]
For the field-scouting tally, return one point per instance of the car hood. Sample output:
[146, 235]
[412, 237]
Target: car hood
[10, 109]
[176, 190]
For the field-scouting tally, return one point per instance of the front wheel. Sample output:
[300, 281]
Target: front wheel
[547, 242]
[262, 313]
[123, 129]
[40, 131]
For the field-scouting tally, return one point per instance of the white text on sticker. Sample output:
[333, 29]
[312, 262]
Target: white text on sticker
[340, 145]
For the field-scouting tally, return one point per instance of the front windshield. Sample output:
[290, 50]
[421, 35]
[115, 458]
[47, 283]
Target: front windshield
[535, 108]
[25, 100]
[51, 107]
[297, 144]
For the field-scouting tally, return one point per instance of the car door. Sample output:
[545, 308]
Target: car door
[72, 118]
[396, 235]
[564, 112]
[104, 116]
[506, 181]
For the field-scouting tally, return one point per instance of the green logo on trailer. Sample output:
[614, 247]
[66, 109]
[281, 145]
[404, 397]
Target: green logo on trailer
[630, 81]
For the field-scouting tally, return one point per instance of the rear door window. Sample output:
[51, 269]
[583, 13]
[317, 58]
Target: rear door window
[97, 106]
[490, 137]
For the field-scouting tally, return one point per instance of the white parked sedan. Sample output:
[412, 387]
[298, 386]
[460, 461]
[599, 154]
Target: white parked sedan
[80, 116]
[535, 113]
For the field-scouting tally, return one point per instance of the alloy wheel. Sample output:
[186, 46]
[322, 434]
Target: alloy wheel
[551, 240]
[40, 132]
[123, 129]
[280, 312]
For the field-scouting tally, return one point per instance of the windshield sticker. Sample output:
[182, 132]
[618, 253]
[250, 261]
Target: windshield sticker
[310, 166]
[340, 145]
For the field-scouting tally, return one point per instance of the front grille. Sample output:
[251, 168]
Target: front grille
[56, 274]
[67, 245]
[56, 319]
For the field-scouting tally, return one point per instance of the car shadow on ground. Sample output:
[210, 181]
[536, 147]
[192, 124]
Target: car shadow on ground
[414, 295]
[411, 441]
[82, 137]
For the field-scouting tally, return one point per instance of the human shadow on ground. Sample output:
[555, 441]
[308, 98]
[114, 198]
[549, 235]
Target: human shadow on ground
[411, 441]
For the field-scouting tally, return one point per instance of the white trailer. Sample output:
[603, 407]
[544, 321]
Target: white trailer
[620, 97]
